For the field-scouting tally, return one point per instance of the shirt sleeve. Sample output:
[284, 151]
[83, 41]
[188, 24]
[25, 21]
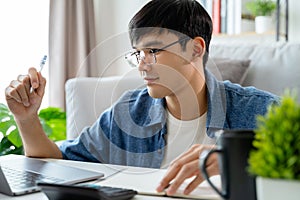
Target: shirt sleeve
[75, 150]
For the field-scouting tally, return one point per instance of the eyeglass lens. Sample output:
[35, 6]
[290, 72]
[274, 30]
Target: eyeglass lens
[135, 58]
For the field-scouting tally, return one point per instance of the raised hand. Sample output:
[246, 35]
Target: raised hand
[24, 95]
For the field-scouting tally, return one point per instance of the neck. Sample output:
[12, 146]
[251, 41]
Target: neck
[190, 103]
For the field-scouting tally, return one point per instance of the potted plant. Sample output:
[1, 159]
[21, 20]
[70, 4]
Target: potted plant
[52, 119]
[262, 10]
[275, 159]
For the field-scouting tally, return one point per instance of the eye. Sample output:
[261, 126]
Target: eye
[155, 50]
[136, 53]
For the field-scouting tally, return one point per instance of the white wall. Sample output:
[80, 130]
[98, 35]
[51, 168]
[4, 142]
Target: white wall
[112, 18]
[294, 21]
[23, 40]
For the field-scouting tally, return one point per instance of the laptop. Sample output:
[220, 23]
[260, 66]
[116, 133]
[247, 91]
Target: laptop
[20, 175]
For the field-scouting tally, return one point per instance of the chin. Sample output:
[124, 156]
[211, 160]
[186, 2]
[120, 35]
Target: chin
[157, 91]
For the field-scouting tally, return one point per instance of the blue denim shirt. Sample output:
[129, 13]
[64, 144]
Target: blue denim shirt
[132, 132]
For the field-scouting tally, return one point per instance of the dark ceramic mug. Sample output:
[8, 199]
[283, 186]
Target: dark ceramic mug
[233, 151]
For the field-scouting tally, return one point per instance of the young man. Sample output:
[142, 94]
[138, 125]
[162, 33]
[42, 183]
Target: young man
[182, 105]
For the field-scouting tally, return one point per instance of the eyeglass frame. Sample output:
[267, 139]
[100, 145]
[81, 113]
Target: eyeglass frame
[152, 51]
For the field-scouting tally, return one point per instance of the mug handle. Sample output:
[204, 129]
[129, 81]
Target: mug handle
[202, 161]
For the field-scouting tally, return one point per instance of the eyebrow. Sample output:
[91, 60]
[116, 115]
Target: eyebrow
[151, 44]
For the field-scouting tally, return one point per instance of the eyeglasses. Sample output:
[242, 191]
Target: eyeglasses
[148, 56]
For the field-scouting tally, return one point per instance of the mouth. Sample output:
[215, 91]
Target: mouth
[150, 80]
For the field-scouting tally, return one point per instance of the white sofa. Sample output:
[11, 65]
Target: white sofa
[273, 67]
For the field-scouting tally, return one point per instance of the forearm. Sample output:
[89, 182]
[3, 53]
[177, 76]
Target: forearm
[35, 141]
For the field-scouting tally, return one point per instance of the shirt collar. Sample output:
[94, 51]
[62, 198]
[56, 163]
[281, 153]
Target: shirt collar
[216, 113]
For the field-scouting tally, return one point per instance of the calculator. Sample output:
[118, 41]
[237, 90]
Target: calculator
[85, 192]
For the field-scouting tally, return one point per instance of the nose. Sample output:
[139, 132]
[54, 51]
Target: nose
[144, 66]
[145, 62]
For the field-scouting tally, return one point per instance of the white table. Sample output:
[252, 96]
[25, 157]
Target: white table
[115, 175]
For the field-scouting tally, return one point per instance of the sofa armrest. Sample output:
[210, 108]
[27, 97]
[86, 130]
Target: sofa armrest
[88, 97]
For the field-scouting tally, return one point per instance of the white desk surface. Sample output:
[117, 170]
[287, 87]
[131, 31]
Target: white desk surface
[112, 172]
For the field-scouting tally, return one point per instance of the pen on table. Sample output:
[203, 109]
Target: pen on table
[42, 63]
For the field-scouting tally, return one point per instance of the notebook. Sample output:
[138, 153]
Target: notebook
[19, 175]
[132, 178]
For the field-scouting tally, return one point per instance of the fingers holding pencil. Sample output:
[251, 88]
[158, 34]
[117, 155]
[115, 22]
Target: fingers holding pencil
[24, 95]
[37, 82]
[34, 76]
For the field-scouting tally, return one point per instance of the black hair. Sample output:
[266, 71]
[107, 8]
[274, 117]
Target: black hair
[182, 17]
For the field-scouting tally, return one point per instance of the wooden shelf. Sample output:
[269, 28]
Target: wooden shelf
[247, 37]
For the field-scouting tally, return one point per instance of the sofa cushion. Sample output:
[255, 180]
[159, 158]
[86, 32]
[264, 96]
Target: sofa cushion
[229, 69]
[274, 67]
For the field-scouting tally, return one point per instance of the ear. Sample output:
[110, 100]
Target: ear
[199, 47]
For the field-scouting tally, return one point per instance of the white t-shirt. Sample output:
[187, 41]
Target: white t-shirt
[182, 135]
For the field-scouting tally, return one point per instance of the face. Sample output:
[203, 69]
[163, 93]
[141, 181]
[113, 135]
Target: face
[173, 70]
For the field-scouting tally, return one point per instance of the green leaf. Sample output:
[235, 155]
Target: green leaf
[6, 147]
[5, 143]
[261, 7]
[58, 127]
[4, 112]
[53, 121]
[52, 113]
[277, 140]
[6, 126]
[3, 107]
[46, 127]
[15, 138]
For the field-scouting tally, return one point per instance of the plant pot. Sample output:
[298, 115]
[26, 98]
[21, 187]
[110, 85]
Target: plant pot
[263, 24]
[277, 189]
[247, 25]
